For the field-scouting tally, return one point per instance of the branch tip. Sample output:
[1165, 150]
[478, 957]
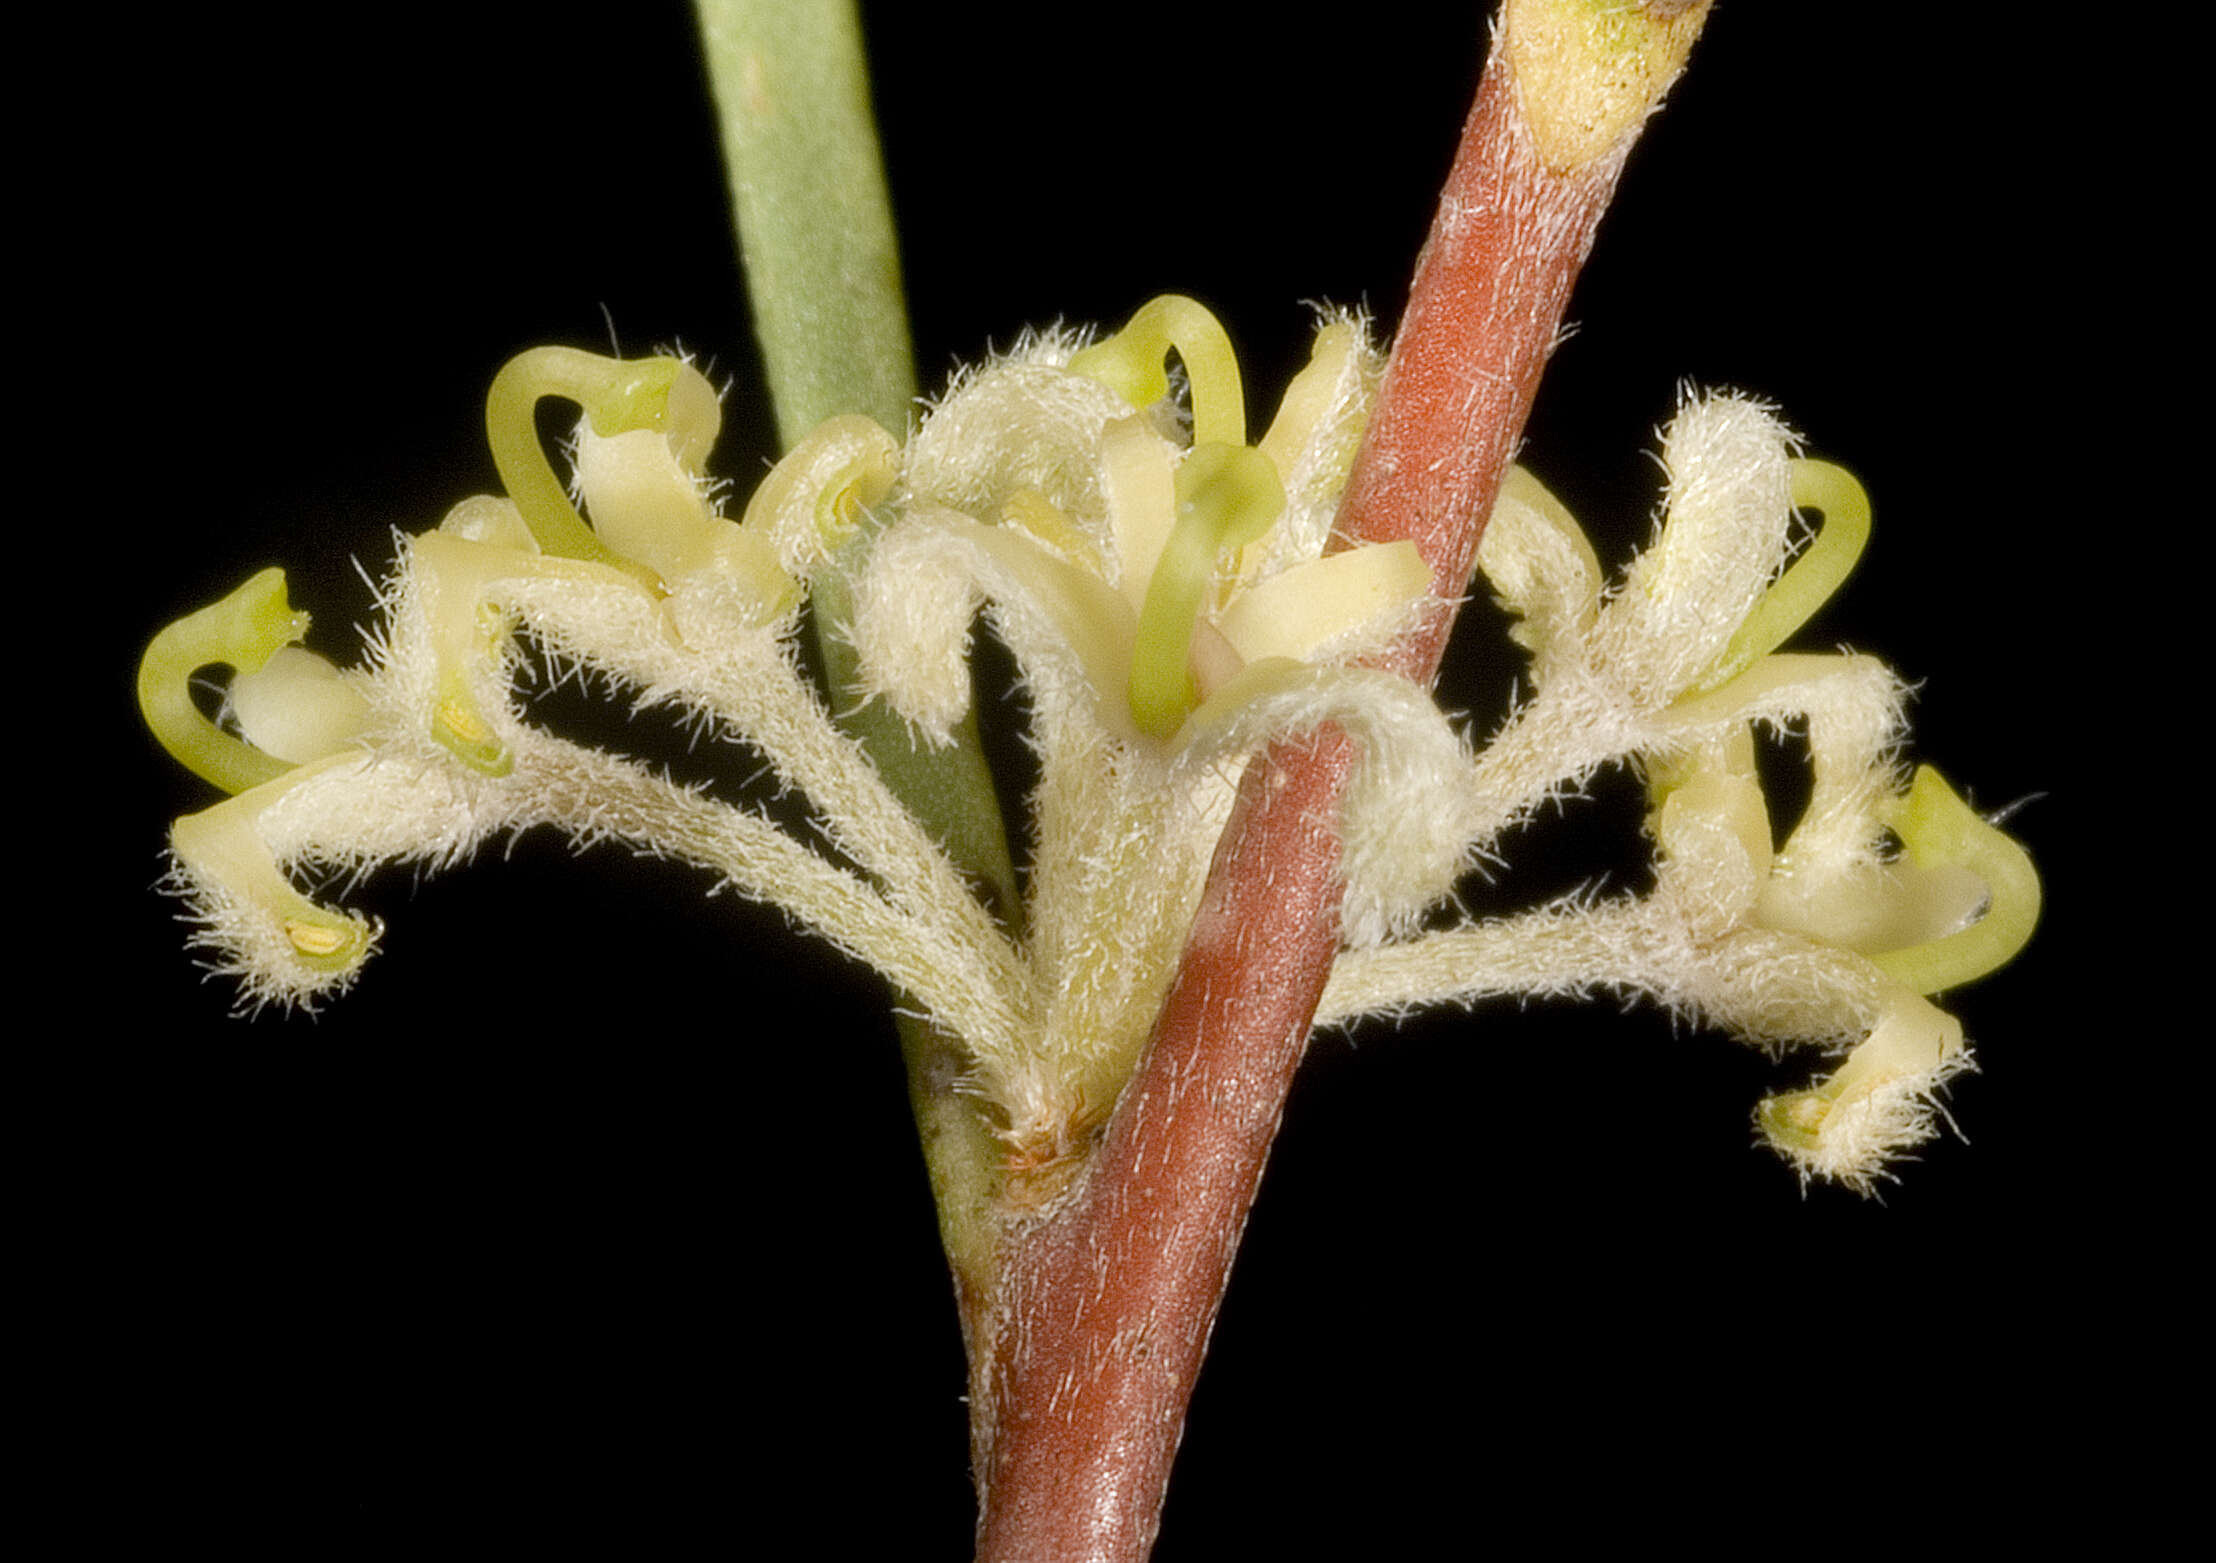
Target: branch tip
[1587, 72]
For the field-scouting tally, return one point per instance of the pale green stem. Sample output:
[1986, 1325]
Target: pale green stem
[815, 226]
[808, 191]
[823, 274]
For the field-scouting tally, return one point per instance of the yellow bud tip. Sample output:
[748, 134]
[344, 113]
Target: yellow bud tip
[811, 504]
[462, 722]
[1795, 1118]
[1882, 1101]
[461, 728]
[318, 941]
[847, 501]
[1588, 71]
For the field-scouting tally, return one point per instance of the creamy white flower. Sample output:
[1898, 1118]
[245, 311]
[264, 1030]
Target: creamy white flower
[1174, 601]
[1166, 591]
[1832, 939]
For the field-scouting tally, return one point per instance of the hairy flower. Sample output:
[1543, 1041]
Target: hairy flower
[1832, 938]
[1175, 600]
[1167, 593]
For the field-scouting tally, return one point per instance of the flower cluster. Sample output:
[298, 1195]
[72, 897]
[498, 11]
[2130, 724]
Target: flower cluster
[1175, 600]
[1834, 938]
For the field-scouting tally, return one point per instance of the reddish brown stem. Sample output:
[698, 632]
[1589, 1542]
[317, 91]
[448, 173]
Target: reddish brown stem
[1088, 1347]
[1104, 1309]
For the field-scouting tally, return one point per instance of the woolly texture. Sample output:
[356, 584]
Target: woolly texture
[1041, 495]
[1167, 593]
[1779, 947]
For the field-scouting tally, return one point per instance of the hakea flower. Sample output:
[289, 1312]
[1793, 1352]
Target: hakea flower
[1175, 602]
[1832, 939]
[432, 755]
[1166, 592]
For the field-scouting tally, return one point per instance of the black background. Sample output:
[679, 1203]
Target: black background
[593, 1215]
